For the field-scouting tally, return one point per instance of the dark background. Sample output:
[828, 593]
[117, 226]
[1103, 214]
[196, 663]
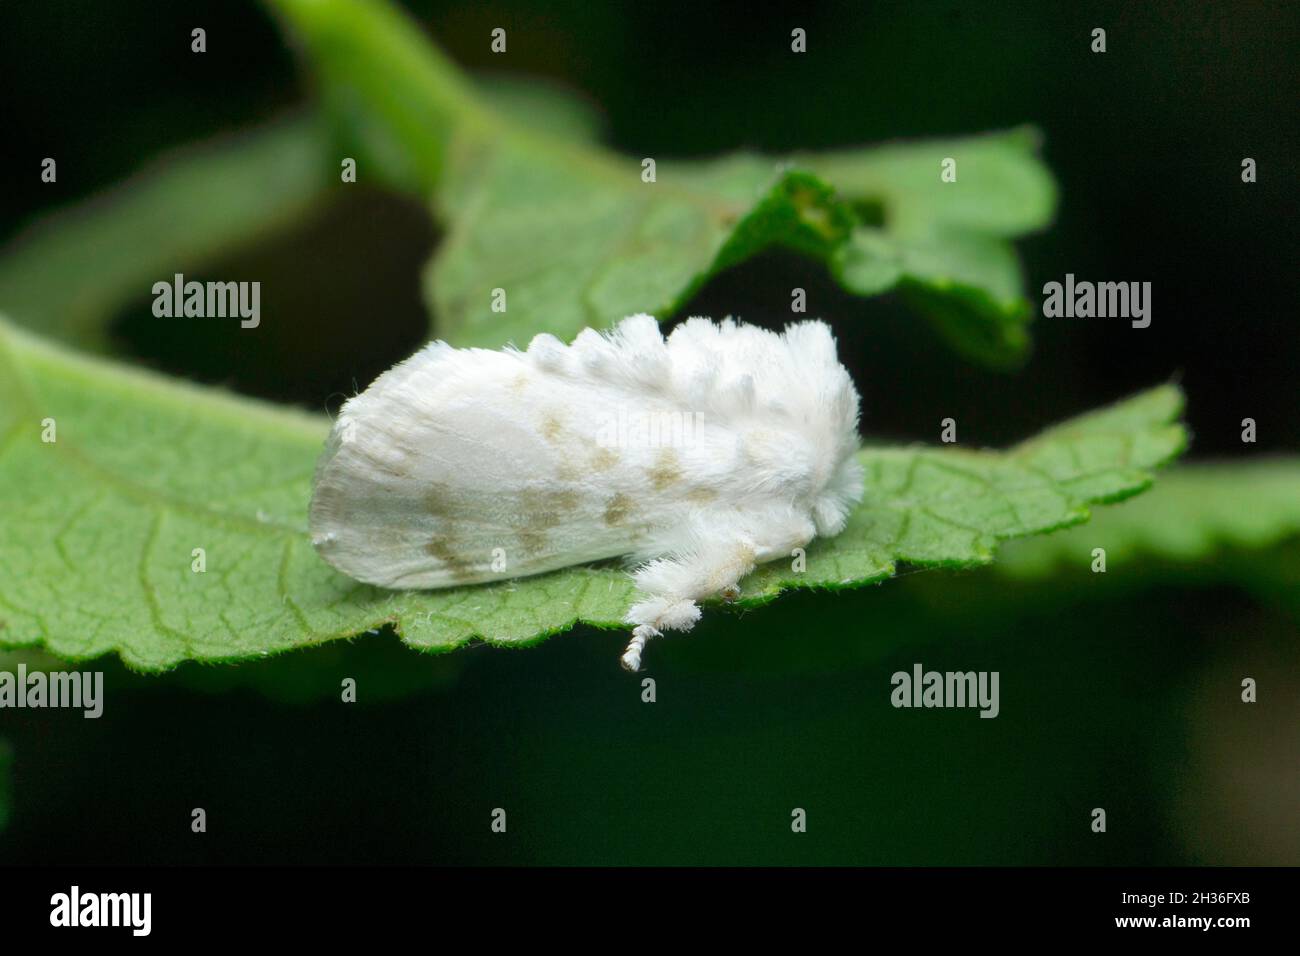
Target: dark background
[1107, 701]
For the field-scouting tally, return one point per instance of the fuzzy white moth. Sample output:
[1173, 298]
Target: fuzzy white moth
[694, 458]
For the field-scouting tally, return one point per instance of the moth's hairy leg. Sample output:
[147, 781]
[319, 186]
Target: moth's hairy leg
[673, 585]
[631, 659]
[722, 551]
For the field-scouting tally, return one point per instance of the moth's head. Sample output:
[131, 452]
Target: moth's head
[829, 411]
[840, 496]
[798, 403]
[815, 468]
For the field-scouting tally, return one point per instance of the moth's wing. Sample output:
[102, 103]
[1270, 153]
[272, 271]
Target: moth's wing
[457, 467]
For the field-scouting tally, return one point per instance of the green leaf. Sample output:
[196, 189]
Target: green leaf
[541, 104]
[382, 667]
[192, 206]
[1001, 189]
[576, 238]
[944, 245]
[69, 273]
[950, 507]
[1197, 511]
[574, 252]
[100, 529]
[522, 176]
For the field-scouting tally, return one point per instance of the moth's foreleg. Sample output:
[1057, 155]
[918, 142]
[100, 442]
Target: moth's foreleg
[719, 556]
[673, 586]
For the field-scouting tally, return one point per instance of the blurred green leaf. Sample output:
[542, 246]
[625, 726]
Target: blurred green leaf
[67, 275]
[944, 245]
[1196, 512]
[572, 252]
[950, 507]
[545, 106]
[1207, 523]
[1001, 188]
[101, 525]
[521, 175]
[576, 238]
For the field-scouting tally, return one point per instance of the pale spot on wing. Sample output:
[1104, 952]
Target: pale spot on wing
[438, 500]
[603, 459]
[666, 471]
[546, 508]
[532, 540]
[551, 427]
[444, 548]
[617, 509]
[541, 510]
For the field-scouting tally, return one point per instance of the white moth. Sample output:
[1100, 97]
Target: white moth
[694, 458]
